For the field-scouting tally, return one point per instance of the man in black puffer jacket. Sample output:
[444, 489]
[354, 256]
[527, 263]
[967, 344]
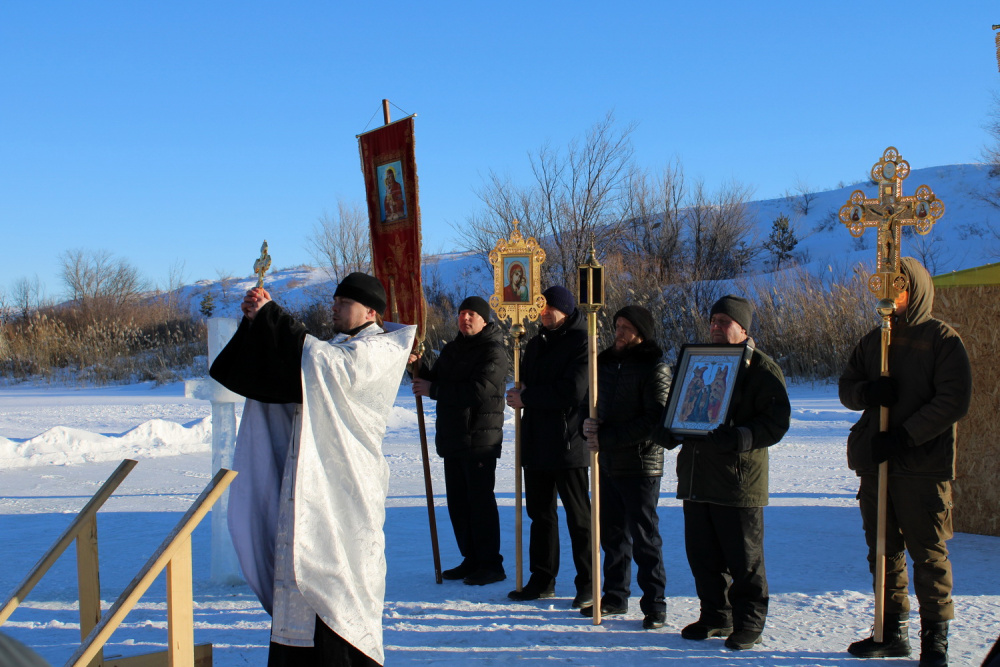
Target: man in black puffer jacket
[632, 386]
[468, 381]
[553, 450]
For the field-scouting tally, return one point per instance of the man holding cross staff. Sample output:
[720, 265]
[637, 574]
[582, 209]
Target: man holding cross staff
[903, 448]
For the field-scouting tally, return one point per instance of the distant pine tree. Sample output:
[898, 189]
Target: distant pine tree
[207, 306]
[781, 241]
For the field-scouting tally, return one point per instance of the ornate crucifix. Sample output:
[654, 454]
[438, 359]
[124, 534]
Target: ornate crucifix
[261, 265]
[888, 214]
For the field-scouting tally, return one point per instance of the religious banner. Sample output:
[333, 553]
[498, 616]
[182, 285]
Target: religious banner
[389, 166]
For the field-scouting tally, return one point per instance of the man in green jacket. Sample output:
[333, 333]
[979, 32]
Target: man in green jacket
[927, 391]
[722, 479]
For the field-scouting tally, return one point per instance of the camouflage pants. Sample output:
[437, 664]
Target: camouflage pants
[919, 520]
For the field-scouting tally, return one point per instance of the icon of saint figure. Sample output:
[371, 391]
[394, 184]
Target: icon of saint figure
[393, 202]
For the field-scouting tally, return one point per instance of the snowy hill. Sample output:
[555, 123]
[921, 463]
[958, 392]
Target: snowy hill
[950, 246]
[961, 239]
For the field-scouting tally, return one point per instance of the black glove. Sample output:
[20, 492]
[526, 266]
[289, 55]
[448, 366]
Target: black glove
[663, 437]
[725, 438]
[881, 391]
[889, 444]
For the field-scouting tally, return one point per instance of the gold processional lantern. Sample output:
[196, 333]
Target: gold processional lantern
[591, 287]
[590, 296]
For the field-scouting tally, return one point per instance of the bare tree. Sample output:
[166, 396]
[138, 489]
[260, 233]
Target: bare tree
[801, 197]
[583, 194]
[930, 249]
[991, 152]
[721, 234]
[654, 220]
[6, 312]
[504, 202]
[98, 276]
[28, 295]
[575, 193]
[340, 243]
[829, 221]
[226, 282]
[176, 279]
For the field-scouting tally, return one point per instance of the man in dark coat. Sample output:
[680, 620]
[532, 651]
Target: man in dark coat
[553, 450]
[468, 382]
[722, 479]
[927, 391]
[632, 386]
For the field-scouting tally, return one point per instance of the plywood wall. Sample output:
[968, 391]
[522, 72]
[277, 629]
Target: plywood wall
[975, 313]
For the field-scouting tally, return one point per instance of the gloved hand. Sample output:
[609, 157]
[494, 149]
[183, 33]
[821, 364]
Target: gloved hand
[725, 438]
[889, 444]
[881, 391]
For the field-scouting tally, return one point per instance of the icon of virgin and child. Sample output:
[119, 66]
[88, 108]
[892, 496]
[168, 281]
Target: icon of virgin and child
[516, 287]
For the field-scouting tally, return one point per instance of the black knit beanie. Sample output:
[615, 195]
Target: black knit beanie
[363, 288]
[477, 305]
[560, 298]
[735, 307]
[641, 319]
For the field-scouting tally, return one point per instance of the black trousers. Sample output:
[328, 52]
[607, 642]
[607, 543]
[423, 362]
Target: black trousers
[540, 489]
[630, 529]
[725, 549]
[329, 650]
[469, 480]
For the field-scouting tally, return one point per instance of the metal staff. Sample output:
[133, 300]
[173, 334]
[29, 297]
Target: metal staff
[517, 331]
[425, 457]
[591, 299]
[888, 214]
[885, 309]
[424, 453]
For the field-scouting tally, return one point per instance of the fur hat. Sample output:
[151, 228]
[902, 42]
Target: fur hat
[560, 298]
[735, 307]
[477, 305]
[640, 318]
[363, 288]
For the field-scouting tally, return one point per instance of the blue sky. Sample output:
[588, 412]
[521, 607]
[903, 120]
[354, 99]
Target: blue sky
[188, 132]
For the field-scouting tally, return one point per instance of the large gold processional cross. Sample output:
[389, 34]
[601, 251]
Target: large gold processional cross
[888, 214]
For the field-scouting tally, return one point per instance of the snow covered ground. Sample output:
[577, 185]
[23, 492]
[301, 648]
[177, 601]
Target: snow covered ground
[58, 444]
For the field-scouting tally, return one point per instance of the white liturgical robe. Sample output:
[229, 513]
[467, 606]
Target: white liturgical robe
[307, 510]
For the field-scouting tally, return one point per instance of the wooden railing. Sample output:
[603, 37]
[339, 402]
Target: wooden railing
[173, 554]
[83, 529]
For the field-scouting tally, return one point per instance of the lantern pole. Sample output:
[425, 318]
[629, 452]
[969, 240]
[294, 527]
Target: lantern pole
[591, 299]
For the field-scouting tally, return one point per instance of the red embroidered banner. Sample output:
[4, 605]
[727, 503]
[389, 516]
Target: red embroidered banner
[389, 165]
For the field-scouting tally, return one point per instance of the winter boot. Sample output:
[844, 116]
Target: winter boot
[933, 643]
[895, 640]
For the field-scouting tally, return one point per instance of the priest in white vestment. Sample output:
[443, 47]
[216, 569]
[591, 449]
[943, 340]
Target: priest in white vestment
[307, 509]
